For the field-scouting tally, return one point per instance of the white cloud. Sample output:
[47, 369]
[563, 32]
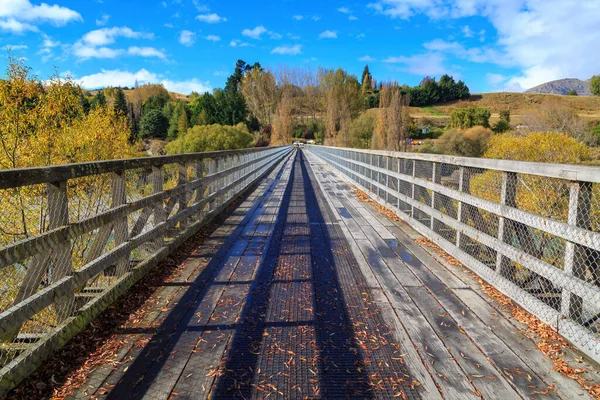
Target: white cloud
[105, 36]
[85, 52]
[146, 52]
[213, 38]
[238, 43]
[344, 10]
[254, 33]
[467, 32]
[475, 54]
[187, 38]
[428, 64]
[288, 50]
[125, 78]
[211, 18]
[103, 21]
[19, 16]
[14, 26]
[543, 39]
[298, 17]
[328, 35]
[367, 59]
[494, 80]
[352, 18]
[16, 47]
[315, 18]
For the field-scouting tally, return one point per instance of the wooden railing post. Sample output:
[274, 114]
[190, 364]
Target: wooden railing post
[580, 204]
[119, 197]
[200, 191]
[464, 183]
[436, 177]
[413, 189]
[61, 261]
[159, 208]
[509, 198]
[214, 185]
[182, 179]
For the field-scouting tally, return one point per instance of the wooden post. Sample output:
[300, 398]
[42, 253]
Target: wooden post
[159, 207]
[212, 168]
[436, 177]
[61, 261]
[412, 188]
[119, 197]
[182, 179]
[464, 183]
[580, 201]
[505, 228]
[199, 169]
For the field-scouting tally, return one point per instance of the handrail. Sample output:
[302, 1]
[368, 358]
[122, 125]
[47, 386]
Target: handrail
[79, 264]
[570, 172]
[532, 230]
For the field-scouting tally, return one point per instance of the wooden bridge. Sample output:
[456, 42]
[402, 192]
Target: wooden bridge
[307, 288]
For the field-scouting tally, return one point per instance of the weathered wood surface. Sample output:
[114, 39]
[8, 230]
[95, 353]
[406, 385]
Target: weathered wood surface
[451, 339]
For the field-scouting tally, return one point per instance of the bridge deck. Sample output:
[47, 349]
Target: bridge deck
[306, 292]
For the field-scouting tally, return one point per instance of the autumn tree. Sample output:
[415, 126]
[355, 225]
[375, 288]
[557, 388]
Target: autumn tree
[343, 98]
[393, 120]
[44, 123]
[367, 80]
[283, 122]
[260, 92]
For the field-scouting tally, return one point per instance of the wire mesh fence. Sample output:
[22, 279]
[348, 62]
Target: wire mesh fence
[530, 229]
[70, 236]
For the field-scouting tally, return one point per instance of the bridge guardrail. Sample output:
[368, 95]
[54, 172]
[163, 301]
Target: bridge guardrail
[532, 230]
[75, 237]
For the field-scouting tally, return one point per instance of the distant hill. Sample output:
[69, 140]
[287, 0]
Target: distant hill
[562, 86]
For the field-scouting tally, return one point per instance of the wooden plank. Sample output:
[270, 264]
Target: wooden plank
[540, 364]
[446, 372]
[416, 368]
[404, 275]
[520, 375]
[485, 377]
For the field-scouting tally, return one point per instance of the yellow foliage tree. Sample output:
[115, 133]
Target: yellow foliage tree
[538, 195]
[43, 123]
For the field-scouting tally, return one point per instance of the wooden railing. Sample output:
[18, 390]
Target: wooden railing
[75, 237]
[532, 230]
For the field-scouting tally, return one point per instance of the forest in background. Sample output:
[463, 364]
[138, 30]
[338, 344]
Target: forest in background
[56, 121]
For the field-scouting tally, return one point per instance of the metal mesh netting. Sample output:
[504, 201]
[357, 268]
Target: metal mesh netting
[84, 227]
[536, 236]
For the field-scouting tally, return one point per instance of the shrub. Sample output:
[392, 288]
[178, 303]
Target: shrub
[361, 130]
[211, 138]
[470, 143]
[464, 118]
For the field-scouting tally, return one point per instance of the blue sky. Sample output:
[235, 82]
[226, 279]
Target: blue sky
[187, 45]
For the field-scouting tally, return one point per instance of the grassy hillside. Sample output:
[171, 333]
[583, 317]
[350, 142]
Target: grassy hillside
[519, 104]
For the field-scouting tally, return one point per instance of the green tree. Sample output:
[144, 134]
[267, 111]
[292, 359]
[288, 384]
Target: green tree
[99, 100]
[153, 124]
[465, 118]
[183, 122]
[504, 124]
[595, 85]
[572, 92]
[120, 105]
